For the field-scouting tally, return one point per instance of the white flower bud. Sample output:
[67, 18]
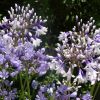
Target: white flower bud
[2, 32]
[27, 15]
[9, 12]
[36, 42]
[93, 21]
[78, 23]
[81, 56]
[81, 20]
[12, 10]
[5, 19]
[28, 5]
[91, 18]
[31, 20]
[94, 27]
[19, 8]
[22, 9]
[90, 24]
[30, 34]
[16, 5]
[76, 18]
[40, 17]
[44, 21]
[34, 14]
[87, 30]
[82, 29]
[30, 11]
[97, 31]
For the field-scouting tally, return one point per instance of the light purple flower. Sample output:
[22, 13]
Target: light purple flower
[11, 95]
[34, 84]
[62, 89]
[40, 96]
[2, 59]
[8, 83]
[4, 74]
[3, 92]
[87, 96]
[16, 63]
[15, 73]
[81, 78]
[43, 88]
[74, 94]
[42, 69]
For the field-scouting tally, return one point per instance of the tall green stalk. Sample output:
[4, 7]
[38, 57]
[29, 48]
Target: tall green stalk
[96, 91]
[28, 84]
[22, 88]
[92, 89]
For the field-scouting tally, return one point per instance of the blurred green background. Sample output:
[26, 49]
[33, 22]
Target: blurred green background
[60, 13]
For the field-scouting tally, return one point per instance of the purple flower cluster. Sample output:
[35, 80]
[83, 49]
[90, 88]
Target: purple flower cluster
[19, 39]
[60, 92]
[20, 49]
[77, 60]
[27, 72]
[5, 93]
[79, 50]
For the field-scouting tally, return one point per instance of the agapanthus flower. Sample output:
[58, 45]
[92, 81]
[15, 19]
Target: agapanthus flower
[42, 69]
[3, 92]
[4, 74]
[78, 46]
[34, 84]
[87, 96]
[2, 59]
[58, 92]
[9, 95]
[24, 25]
[40, 96]
[8, 83]
[20, 48]
[81, 78]
[21, 37]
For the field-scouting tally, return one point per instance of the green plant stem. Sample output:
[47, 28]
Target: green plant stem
[28, 84]
[22, 88]
[92, 90]
[96, 91]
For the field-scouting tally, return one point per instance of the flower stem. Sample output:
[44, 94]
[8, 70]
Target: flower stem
[96, 91]
[92, 90]
[22, 88]
[28, 84]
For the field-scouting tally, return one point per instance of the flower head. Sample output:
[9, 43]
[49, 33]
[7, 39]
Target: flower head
[4, 74]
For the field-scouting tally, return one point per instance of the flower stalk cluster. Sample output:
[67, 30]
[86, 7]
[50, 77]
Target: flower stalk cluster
[20, 52]
[78, 54]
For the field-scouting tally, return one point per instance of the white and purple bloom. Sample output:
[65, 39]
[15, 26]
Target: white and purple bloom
[40, 96]
[4, 74]
[87, 96]
[9, 95]
[62, 89]
[74, 48]
[34, 84]
[81, 78]
[42, 69]
[2, 59]
[20, 37]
